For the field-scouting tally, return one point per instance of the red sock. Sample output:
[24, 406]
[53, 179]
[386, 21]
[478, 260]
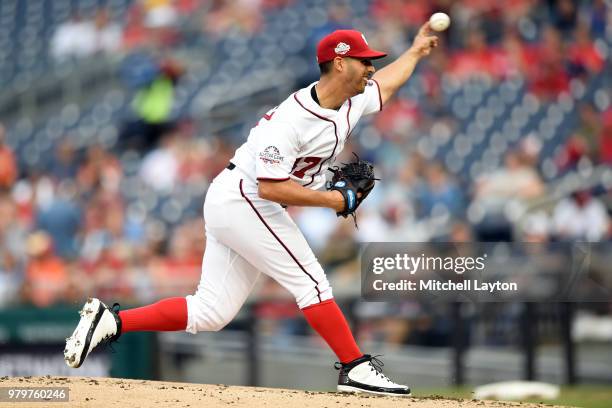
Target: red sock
[166, 315]
[327, 319]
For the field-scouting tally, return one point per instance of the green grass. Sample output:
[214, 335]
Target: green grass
[584, 396]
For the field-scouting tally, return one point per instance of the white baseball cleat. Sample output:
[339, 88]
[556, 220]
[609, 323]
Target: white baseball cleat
[365, 375]
[98, 324]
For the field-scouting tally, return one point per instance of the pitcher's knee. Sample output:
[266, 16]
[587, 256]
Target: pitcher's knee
[203, 316]
[213, 325]
[317, 294]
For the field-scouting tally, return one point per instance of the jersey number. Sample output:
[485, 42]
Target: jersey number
[268, 115]
[303, 164]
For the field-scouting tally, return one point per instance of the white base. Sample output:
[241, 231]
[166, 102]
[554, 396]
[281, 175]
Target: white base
[517, 390]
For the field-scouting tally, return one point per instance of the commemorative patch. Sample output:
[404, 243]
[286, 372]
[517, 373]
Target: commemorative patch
[342, 48]
[271, 155]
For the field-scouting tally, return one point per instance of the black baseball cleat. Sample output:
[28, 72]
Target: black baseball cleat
[365, 375]
[98, 324]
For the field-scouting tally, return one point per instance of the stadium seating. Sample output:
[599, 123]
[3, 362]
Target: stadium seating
[491, 117]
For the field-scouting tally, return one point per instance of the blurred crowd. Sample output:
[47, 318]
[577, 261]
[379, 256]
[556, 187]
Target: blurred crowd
[68, 229]
[548, 44]
[156, 24]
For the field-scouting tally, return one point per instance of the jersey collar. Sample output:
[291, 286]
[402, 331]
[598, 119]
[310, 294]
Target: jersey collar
[305, 97]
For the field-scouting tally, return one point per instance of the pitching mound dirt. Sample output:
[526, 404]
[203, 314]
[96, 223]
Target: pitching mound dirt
[114, 393]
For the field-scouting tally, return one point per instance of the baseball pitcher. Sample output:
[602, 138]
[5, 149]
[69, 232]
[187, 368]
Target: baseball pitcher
[283, 162]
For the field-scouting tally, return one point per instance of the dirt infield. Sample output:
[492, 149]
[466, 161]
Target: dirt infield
[114, 393]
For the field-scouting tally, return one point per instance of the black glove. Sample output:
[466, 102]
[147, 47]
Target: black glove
[354, 180]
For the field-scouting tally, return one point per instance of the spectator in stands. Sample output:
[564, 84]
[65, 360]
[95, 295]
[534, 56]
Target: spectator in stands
[514, 10]
[111, 273]
[8, 163]
[61, 219]
[393, 221]
[160, 13]
[194, 157]
[585, 141]
[109, 250]
[439, 194]
[591, 140]
[160, 167]
[238, 16]
[64, 163]
[516, 180]
[495, 193]
[476, 59]
[13, 232]
[460, 232]
[492, 22]
[107, 33]
[46, 278]
[513, 58]
[548, 76]
[576, 148]
[605, 138]
[584, 57]
[199, 159]
[564, 15]
[10, 279]
[95, 238]
[75, 38]
[120, 227]
[12, 250]
[397, 122]
[529, 149]
[81, 37]
[152, 105]
[535, 228]
[407, 13]
[338, 18]
[581, 217]
[342, 247]
[597, 17]
[100, 171]
[589, 127]
[135, 33]
[23, 194]
[180, 269]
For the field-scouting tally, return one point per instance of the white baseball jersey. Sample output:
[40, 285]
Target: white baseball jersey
[247, 235]
[299, 139]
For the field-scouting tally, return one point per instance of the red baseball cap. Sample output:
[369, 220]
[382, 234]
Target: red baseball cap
[345, 43]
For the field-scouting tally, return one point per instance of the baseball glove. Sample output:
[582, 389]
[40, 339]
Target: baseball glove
[354, 180]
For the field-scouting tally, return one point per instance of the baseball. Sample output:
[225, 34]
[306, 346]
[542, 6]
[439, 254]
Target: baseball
[439, 21]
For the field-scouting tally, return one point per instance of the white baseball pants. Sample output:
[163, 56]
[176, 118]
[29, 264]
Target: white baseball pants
[246, 236]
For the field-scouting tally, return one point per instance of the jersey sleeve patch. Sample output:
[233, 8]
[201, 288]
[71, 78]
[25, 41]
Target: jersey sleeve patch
[275, 150]
[271, 156]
